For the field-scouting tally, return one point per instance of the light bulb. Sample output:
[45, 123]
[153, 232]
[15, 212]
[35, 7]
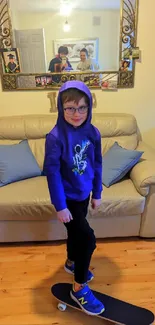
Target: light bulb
[65, 9]
[66, 27]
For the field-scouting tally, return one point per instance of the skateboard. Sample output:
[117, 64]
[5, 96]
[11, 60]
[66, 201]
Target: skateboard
[116, 311]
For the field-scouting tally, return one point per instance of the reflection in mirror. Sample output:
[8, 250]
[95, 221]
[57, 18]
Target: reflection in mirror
[55, 36]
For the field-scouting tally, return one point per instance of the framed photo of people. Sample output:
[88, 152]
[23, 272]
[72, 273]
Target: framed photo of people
[10, 60]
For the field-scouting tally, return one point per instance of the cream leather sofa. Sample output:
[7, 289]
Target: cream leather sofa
[128, 207]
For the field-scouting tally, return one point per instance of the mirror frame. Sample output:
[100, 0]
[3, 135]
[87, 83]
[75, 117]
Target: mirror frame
[128, 39]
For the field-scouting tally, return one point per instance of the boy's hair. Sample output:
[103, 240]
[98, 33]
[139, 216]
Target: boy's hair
[63, 50]
[75, 95]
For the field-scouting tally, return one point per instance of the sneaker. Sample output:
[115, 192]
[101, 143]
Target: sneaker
[87, 301]
[70, 269]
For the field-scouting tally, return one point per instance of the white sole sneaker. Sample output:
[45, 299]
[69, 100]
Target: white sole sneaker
[86, 311]
[68, 271]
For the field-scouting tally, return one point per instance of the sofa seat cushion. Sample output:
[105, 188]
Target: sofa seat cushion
[29, 200]
[121, 199]
[26, 200]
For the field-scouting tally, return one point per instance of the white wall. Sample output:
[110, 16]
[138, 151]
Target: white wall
[139, 101]
[81, 27]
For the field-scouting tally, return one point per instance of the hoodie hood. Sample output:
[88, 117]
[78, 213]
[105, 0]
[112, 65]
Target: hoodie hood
[80, 86]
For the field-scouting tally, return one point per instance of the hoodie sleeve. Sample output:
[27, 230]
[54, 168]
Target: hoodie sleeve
[97, 184]
[51, 66]
[52, 172]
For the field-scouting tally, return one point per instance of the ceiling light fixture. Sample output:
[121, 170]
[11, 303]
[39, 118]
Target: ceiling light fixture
[66, 27]
[65, 8]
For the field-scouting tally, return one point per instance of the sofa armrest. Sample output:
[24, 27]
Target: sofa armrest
[143, 173]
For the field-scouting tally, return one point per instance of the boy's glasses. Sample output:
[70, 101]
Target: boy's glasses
[72, 110]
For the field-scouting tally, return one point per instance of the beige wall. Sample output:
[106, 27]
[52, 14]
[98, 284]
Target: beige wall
[139, 101]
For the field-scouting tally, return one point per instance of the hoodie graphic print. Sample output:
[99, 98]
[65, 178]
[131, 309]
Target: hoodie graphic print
[80, 157]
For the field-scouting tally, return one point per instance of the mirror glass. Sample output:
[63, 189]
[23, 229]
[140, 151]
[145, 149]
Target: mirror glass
[64, 35]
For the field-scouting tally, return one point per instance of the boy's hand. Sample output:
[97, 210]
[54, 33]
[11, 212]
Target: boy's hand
[95, 203]
[64, 216]
[63, 66]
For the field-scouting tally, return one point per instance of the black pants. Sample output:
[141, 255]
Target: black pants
[81, 240]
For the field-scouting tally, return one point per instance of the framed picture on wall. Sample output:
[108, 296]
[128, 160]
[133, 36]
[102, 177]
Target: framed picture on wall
[76, 45]
[43, 81]
[125, 65]
[10, 60]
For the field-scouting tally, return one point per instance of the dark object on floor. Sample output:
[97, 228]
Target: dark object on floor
[116, 311]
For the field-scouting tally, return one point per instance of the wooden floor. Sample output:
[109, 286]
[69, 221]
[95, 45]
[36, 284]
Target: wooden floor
[124, 269]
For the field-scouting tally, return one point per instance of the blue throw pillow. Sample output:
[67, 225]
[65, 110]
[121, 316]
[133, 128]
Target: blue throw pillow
[17, 162]
[117, 162]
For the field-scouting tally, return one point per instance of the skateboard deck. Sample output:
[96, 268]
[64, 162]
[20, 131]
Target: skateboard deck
[116, 311]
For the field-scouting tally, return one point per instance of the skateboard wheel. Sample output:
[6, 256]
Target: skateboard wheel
[62, 307]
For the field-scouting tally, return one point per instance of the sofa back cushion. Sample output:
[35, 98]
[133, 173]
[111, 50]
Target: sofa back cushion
[113, 127]
[13, 129]
[121, 128]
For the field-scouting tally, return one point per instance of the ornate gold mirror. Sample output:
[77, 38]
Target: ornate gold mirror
[45, 43]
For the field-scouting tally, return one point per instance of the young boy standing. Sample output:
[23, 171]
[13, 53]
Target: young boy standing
[73, 166]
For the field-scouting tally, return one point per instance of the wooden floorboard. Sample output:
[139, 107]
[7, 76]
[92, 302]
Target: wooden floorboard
[123, 268]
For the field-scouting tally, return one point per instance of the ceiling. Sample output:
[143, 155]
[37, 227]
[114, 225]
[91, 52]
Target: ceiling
[50, 5]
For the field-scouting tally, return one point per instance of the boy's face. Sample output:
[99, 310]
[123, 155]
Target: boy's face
[74, 117]
[63, 55]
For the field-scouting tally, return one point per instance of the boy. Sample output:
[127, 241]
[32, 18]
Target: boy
[73, 166]
[60, 63]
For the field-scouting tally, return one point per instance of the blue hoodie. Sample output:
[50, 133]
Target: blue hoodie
[73, 160]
